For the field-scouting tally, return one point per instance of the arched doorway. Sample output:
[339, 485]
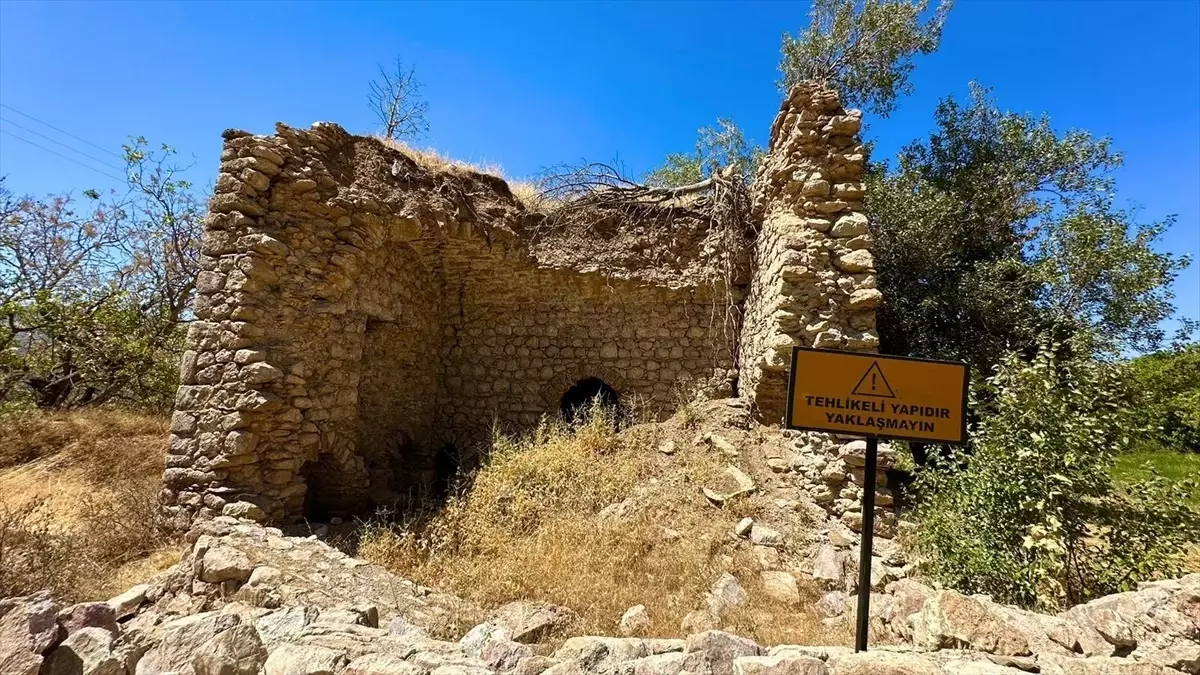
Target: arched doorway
[579, 398]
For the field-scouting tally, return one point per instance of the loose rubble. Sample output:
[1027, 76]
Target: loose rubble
[295, 606]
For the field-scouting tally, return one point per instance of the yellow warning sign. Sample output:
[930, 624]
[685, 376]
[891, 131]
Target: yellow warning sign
[880, 396]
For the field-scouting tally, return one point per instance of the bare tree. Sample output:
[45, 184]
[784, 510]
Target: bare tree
[396, 101]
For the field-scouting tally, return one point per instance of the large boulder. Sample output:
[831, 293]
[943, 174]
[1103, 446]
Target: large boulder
[289, 659]
[180, 640]
[883, 663]
[951, 620]
[87, 651]
[28, 629]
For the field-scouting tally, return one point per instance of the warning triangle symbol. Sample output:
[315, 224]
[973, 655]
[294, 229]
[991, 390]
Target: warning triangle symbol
[873, 383]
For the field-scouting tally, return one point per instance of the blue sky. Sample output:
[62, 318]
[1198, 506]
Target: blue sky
[531, 84]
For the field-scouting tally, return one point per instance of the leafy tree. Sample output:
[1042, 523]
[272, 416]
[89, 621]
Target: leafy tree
[1169, 383]
[1032, 516]
[93, 296]
[997, 229]
[863, 48]
[717, 147]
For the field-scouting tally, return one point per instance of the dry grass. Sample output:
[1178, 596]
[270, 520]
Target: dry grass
[530, 528]
[78, 495]
[528, 193]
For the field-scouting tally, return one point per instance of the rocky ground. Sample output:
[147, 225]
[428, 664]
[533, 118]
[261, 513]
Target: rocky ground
[247, 599]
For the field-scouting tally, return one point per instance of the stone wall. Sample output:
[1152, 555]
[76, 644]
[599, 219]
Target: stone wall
[813, 280]
[358, 314]
[361, 318]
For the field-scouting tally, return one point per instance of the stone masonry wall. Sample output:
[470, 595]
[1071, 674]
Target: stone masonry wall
[360, 317]
[813, 279]
[357, 313]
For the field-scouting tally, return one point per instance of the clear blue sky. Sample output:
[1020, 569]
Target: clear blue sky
[530, 84]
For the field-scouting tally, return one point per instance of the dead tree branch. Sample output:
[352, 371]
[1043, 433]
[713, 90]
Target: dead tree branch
[396, 101]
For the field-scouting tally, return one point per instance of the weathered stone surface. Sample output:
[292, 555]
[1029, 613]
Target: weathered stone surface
[237, 651]
[88, 615]
[382, 664]
[951, 620]
[530, 622]
[765, 536]
[289, 659]
[87, 651]
[635, 620]
[181, 639]
[726, 593]
[28, 628]
[340, 308]
[778, 665]
[781, 586]
[714, 652]
[224, 563]
[827, 567]
[883, 663]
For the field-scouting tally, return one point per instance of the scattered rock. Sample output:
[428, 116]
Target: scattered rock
[833, 604]
[635, 620]
[827, 567]
[725, 594]
[126, 604]
[743, 526]
[531, 622]
[667, 447]
[765, 536]
[767, 557]
[722, 445]
[382, 664]
[781, 586]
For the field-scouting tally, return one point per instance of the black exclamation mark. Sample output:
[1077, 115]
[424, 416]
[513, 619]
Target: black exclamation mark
[872, 381]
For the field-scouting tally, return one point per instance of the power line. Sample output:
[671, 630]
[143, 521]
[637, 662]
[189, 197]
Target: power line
[69, 159]
[67, 133]
[41, 135]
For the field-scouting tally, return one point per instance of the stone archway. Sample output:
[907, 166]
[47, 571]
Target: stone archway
[581, 396]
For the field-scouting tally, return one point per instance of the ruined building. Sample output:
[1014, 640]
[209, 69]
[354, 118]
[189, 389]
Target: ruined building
[363, 322]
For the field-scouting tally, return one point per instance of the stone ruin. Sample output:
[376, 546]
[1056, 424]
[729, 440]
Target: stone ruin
[363, 324]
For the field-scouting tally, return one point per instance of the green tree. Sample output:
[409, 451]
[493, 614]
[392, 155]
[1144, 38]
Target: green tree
[998, 228]
[94, 296]
[863, 48]
[1031, 515]
[717, 147]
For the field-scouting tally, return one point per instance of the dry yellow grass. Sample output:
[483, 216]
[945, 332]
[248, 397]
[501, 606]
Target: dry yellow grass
[78, 492]
[526, 192]
[530, 528]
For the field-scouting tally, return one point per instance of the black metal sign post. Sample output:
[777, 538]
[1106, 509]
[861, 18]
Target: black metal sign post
[864, 549]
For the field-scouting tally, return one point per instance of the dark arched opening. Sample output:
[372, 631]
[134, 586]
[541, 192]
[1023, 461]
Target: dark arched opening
[580, 396]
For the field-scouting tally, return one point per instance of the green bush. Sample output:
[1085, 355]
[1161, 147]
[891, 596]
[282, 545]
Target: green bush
[1030, 514]
[1169, 384]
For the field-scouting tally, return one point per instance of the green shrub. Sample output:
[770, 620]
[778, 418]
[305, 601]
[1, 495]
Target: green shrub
[1030, 515]
[1169, 383]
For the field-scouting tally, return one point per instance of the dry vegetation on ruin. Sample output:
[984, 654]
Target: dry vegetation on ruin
[598, 521]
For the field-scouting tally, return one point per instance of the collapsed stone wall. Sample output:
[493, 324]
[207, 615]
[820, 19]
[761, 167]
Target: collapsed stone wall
[359, 316]
[813, 277]
[364, 323]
